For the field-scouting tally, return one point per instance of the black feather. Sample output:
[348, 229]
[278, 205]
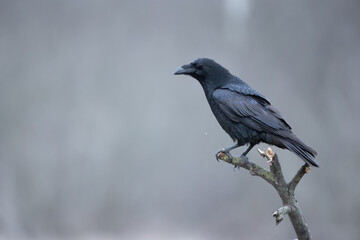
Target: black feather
[246, 115]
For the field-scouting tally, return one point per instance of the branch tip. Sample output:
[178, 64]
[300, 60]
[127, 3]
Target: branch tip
[298, 176]
[224, 156]
[280, 213]
[261, 152]
[269, 154]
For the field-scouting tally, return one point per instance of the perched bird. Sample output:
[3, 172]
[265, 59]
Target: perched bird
[246, 115]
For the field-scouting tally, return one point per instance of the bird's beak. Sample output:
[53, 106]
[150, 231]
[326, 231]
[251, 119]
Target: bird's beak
[185, 69]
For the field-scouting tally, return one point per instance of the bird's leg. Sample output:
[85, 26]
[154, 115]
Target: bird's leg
[243, 155]
[226, 151]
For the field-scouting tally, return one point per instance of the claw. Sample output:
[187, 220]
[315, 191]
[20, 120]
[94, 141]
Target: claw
[217, 154]
[245, 158]
[223, 151]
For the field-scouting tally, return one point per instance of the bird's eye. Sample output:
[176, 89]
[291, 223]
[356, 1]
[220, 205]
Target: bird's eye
[197, 66]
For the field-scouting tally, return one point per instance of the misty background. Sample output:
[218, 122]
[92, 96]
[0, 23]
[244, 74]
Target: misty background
[99, 140]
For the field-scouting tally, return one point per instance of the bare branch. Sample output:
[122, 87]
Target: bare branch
[298, 176]
[275, 168]
[276, 178]
[281, 212]
[253, 168]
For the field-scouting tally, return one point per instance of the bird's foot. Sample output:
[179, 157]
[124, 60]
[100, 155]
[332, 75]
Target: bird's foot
[243, 157]
[223, 153]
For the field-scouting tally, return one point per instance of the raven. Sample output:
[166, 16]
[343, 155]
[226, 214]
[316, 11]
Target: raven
[246, 115]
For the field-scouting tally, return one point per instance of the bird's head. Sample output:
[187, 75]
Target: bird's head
[202, 69]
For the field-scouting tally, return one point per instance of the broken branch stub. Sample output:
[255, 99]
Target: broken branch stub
[269, 154]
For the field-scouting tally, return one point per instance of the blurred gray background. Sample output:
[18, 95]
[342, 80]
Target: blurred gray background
[100, 141]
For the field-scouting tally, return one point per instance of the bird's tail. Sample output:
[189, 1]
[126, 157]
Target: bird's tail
[305, 152]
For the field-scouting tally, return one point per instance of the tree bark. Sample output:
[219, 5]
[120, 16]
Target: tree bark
[285, 190]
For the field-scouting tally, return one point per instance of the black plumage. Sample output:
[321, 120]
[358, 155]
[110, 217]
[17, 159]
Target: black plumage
[246, 115]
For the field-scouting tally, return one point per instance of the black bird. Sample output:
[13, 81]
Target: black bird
[246, 115]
